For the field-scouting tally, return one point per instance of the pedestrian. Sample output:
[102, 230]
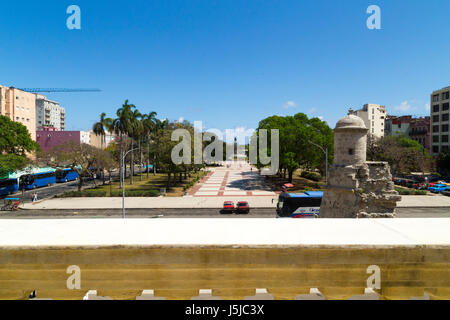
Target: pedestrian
[35, 197]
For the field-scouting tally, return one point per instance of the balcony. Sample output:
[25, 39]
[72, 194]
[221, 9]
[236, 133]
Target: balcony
[225, 258]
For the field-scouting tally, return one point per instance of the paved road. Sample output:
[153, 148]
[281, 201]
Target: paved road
[48, 192]
[189, 213]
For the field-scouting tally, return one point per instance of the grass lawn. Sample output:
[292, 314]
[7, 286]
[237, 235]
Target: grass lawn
[300, 184]
[156, 182]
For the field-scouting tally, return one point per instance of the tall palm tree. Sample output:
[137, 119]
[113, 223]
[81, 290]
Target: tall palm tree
[120, 126]
[149, 122]
[159, 128]
[99, 127]
[133, 132]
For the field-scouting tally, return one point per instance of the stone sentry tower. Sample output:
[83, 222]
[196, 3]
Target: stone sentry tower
[357, 188]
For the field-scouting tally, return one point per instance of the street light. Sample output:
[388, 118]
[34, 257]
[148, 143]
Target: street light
[123, 180]
[326, 159]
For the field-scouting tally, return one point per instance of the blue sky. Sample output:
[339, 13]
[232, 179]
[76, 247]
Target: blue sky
[228, 63]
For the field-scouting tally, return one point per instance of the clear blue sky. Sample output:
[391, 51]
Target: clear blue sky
[228, 63]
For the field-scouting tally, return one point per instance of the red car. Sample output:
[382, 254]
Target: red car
[242, 207]
[228, 206]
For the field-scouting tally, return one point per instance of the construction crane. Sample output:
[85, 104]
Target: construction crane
[40, 90]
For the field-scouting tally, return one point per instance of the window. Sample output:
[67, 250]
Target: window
[435, 128]
[435, 149]
[445, 106]
[445, 95]
[351, 152]
[436, 118]
[436, 98]
[436, 139]
[445, 117]
[444, 148]
[445, 128]
[436, 108]
[444, 138]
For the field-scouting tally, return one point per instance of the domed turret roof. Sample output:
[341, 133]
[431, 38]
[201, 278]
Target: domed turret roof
[351, 122]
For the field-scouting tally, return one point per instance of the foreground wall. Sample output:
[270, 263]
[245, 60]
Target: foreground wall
[225, 270]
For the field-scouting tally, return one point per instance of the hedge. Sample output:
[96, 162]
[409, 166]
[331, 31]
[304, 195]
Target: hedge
[136, 193]
[311, 176]
[83, 194]
[407, 192]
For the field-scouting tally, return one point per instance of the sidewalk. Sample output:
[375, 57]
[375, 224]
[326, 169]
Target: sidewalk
[202, 202]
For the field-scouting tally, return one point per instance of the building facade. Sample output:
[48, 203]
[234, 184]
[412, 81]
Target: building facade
[439, 108]
[49, 113]
[417, 129]
[374, 117]
[420, 131]
[19, 106]
[48, 138]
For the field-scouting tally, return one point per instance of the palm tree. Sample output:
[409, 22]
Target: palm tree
[99, 127]
[149, 122]
[159, 128]
[133, 132]
[120, 126]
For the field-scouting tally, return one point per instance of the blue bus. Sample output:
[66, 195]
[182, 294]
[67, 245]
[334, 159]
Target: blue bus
[37, 180]
[303, 205]
[66, 175]
[8, 186]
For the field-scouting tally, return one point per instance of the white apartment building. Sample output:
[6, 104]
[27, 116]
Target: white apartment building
[440, 100]
[374, 117]
[85, 137]
[49, 113]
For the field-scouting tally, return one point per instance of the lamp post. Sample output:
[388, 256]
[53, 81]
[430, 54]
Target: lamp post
[123, 181]
[326, 159]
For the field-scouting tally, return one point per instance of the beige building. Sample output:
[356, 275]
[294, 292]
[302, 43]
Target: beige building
[439, 108]
[19, 106]
[96, 141]
[374, 117]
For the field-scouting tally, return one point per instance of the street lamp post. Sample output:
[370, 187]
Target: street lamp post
[326, 159]
[123, 181]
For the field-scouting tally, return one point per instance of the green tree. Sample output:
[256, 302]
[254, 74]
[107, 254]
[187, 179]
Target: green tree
[15, 143]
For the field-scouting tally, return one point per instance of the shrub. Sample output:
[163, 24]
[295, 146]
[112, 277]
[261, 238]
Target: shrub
[314, 176]
[407, 192]
[83, 194]
[136, 193]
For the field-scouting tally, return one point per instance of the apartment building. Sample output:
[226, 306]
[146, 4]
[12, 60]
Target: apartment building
[440, 100]
[19, 106]
[374, 116]
[49, 113]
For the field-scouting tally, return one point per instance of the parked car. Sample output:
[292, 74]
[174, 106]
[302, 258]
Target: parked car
[242, 207]
[438, 187]
[446, 192]
[228, 207]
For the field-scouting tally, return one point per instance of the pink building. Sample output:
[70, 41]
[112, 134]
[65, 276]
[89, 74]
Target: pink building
[49, 138]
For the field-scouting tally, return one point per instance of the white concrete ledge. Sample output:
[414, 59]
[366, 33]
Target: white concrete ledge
[224, 232]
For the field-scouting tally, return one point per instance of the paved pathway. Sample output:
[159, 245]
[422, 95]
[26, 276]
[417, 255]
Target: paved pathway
[234, 179]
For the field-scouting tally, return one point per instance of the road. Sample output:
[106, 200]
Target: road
[268, 213]
[48, 192]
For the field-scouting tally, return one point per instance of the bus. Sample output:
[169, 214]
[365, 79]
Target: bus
[66, 175]
[37, 180]
[303, 205]
[8, 186]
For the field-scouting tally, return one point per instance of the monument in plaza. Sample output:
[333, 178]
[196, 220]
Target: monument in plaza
[357, 188]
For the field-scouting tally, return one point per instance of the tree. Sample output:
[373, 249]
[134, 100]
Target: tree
[99, 127]
[15, 142]
[404, 155]
[120, 126]
[78, 157]
[15, 138]
[296, 134]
